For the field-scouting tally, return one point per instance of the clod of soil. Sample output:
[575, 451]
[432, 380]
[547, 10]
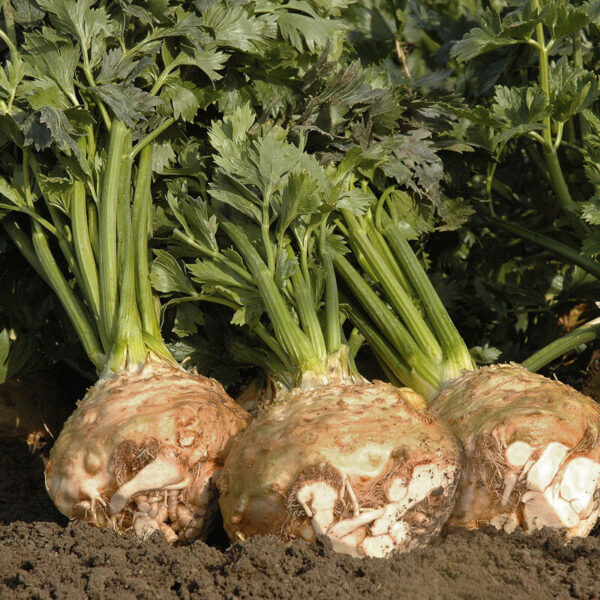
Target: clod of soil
[43, 556]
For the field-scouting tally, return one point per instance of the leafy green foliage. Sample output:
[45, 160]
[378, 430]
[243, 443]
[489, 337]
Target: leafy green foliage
[276, 115]
[76, 73]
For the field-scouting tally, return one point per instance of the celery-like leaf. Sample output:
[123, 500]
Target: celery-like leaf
[167, 276]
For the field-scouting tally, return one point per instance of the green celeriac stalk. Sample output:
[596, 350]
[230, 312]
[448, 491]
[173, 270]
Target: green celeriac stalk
[455, 355]
[106, 317]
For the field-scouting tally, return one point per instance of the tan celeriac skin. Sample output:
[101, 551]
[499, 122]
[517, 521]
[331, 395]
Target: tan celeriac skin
[532, 451]
[363, 463]
[142, 450]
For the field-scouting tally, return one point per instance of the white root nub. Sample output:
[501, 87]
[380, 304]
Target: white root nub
[386, 521]
[547, 509]
[542, 473]
[379, 546]
[397, 490]
[559, 495]
[322, 498]
[579, 482]
[425, 479]
[518, 453]
[159, 473]
[507, 523]
[347, 526]
[400, 532]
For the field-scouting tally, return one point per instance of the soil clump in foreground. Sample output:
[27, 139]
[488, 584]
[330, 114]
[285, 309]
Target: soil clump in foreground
[43, 556]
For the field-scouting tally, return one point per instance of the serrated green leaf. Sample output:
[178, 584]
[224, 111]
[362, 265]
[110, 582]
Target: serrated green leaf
[299, 197]
[27, 13]
[57, 191]
[202, 226]
[227, 190]
[163, 155]
[225, 137]
[355, 201]
[407, 215]
[336, 244]
[563, 18]
[591, 245]
[285, 267]
[184, 99]
[571, 89]
[79, 19]
[455, 212]
[232, 27]
[129, 103]
[514, 106]
[167, 276]
[484, 355]
[418, 152]
[10, 77]
[304, 28]
[44, 91]
[212, 274]
[210, 61]
[115, 66]
[273, 160]
[512, 132]
[249, 314]
[55, 60]
[590, 211]
[188, 317]
[488, 36]
[49, 126]
[520, 23]
[396, 169]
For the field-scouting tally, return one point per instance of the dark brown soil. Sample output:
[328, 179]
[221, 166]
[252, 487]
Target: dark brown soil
[44, 556]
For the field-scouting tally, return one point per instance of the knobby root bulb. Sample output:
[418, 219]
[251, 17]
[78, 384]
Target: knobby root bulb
[532, 450]
[142, 450]
[364, 464]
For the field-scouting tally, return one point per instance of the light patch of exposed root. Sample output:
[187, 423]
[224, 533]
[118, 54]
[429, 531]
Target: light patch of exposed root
[551, 486]
[326, 499]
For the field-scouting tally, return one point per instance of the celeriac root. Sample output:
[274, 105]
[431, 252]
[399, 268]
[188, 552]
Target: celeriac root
[142, 450]
[532, 451]
[364, 464]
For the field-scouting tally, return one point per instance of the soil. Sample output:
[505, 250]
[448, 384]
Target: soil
[44, 556]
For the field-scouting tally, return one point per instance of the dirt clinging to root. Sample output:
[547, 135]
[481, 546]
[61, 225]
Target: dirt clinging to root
[43, 556]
